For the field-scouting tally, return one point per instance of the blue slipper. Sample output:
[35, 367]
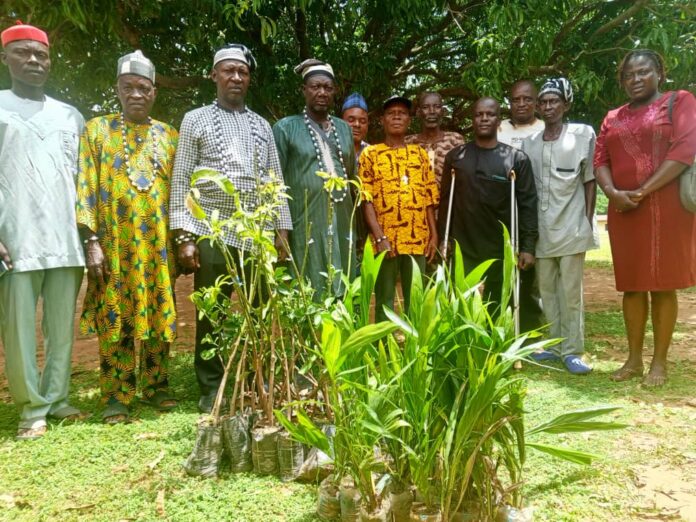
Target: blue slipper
[576, 365]
[545, 356]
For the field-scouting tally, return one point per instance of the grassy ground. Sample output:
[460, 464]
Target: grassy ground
[133, 472]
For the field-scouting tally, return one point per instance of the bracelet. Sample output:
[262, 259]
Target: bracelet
[184, 238]
[380, 239]
[93, 237]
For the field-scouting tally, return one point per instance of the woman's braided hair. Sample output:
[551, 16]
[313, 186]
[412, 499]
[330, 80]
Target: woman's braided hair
[651, 55]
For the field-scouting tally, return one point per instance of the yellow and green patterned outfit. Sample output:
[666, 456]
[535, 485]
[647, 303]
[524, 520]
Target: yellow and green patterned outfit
[123, 198]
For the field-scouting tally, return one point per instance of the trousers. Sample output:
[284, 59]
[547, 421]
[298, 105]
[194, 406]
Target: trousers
[560, 284]
[385, 286]
[38, 392]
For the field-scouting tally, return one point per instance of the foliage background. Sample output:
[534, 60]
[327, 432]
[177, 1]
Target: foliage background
[464, 49]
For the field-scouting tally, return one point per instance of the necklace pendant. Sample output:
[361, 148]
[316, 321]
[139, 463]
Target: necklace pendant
[404, 179]
[140, 181]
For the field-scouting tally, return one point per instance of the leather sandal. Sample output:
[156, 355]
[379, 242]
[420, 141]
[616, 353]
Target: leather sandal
[31, 433]
[69, 414]
[115, 413]
[159, 401]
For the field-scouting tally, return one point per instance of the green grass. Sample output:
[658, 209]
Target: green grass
[90, 471]
[600, 257]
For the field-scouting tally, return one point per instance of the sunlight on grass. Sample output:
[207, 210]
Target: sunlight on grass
[600, 257]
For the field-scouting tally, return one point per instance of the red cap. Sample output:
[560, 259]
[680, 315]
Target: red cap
[22, 31]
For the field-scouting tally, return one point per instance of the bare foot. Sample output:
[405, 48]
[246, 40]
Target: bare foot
[657, 376]
[628, 371]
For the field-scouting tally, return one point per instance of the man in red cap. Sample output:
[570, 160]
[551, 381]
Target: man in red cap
[40, 250]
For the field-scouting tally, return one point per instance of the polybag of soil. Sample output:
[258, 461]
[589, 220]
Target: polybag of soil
[290, 457]
[401, 505]
[349, 498]
[317, 464]
[236, 439]
[381, 514]
[264, 450]
[422, 513]
[328, 504]
[204, 460]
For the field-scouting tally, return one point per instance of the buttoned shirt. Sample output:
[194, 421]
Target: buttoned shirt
[561, 169]
[38, 166]
[244, 151]
[402, 185]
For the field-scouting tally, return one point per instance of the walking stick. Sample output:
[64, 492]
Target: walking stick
[460, 156]
[514, 239]
[449, 217]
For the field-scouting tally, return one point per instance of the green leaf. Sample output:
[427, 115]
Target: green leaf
[193, 207]
[578, 457]
[367, 335]
[577, 421]
[305, 431]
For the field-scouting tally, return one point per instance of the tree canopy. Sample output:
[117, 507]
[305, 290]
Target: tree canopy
[463, 49]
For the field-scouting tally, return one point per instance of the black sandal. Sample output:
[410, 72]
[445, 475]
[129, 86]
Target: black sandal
[115, 413]
[158, 400]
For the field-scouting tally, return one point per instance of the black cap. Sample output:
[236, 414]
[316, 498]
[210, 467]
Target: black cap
[396, 98]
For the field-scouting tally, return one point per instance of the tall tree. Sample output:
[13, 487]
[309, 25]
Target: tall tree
[464, 49]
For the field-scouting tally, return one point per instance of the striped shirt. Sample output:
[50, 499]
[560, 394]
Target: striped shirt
[244, 135]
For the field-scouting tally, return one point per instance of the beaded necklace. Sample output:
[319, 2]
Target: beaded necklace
[343, 193]
[256, 138]
[141, 180]
[257, 170]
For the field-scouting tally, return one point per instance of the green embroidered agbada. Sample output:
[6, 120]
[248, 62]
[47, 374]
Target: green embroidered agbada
[309, 203]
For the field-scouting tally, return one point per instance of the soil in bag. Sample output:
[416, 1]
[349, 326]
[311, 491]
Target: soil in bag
[401, 505]
[317, 464]
[236, 439]
[349, 497]
[290, 457]
[381, 514]
[422, 513]
[328, 505]
[204, 460]
[264, 450]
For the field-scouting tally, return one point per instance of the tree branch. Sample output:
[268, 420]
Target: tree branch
[628, 13]
[301, 34]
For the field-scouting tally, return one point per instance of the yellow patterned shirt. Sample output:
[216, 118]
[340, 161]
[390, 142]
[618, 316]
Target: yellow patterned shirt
[403, 186]
[132, 225]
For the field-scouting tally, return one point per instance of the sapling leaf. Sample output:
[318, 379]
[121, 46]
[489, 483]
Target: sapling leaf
[194, 208]
[578, 421]
[571, 455]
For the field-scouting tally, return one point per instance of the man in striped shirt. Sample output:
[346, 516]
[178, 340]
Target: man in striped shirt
[238, 143]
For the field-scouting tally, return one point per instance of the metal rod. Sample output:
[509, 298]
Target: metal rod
[449, 217]
[514, 239]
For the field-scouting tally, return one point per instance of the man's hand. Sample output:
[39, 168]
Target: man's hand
[431, 248]
[97, 264]
[5, 256]
[187, 256]
[282, 245]
[385, 246]
[525, 260]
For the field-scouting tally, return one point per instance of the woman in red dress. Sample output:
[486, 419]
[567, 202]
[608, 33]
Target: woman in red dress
[641, 150]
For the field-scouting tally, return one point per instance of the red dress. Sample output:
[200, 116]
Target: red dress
[653, 246]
